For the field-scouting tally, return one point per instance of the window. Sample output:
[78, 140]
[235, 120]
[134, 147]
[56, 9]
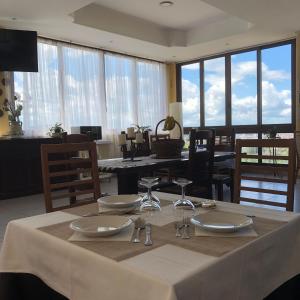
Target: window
[276, 85]
[244, 88]
[214, 95]
[79, 86]
[251, 90]
[190, 85]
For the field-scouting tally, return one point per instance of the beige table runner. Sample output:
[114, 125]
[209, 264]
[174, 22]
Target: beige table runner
[117, 250]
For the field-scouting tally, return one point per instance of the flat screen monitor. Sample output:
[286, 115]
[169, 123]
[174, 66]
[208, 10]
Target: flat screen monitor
[18, 50]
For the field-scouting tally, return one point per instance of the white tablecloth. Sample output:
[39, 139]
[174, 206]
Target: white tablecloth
[164, 273]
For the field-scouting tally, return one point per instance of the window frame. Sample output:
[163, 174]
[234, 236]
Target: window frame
[259, 127]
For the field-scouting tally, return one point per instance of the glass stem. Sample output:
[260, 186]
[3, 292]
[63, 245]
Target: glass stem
[149, 194]
[183, 192]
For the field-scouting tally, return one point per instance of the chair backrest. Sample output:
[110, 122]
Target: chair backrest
[76, 138]
[201, 158]
[225, 139]
[273, 174]
[61, 174]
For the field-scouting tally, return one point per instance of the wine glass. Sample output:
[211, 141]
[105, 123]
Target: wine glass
[149, 202]
[183, 203]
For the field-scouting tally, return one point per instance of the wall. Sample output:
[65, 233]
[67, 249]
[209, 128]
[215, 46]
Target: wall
[171, 82]
[3, 95]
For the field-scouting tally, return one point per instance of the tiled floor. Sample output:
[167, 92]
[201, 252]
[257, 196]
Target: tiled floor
[16, 208]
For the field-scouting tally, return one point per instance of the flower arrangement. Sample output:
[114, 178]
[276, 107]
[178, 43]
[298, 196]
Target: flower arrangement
[56, 130]
[14, 108]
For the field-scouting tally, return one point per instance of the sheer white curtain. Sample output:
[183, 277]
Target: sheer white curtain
[68, 89]
[40, 92]
[151, 93]
[82, 87]
[78, 86]
[135, 93]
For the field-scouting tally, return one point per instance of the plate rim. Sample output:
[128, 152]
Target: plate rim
[95, 233]
[215, 228]
[119, 204]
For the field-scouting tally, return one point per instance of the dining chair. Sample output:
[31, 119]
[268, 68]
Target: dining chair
[224, 171]
[269, 180]
[200, 166]
[225, 139]
[61, 175]
[82, 138]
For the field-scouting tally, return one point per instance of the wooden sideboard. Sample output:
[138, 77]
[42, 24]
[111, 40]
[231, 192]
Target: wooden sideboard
[20, 166]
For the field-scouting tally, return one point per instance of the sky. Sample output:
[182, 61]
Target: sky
[276, 89]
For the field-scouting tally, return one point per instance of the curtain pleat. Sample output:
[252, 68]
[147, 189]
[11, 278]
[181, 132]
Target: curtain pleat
[77, 86]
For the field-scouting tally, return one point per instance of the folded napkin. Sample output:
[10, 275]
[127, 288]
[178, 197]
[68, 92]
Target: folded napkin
[123, 236]
[245, 232]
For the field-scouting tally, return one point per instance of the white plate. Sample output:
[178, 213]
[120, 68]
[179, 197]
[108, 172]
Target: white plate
[119, 201]
[101, 225]
[219, 221]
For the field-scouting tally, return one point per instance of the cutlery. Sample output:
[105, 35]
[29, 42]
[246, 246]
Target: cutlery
[178, 228]
[148, 241]
[139, 224]
[185, 231]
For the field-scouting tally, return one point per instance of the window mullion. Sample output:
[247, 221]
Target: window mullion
[202, 112]
[228, 91]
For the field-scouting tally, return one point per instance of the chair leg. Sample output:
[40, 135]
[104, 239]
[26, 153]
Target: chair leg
[219, 188]
[231, 191]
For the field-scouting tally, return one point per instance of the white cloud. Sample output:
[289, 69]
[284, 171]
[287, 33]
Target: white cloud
[276, 103]
[191, 67]
[268, 74]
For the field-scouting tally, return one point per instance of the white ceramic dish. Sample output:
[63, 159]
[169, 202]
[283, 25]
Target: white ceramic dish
[120, 201]
[101, 225]
[219, 221]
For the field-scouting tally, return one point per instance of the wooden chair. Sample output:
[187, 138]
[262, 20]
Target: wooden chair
[200, 166]
[274, 170]
[82, 138]
[224, 171]
[225, 139]
[61, 173]
[76, 138]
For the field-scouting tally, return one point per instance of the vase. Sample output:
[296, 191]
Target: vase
[15, 128]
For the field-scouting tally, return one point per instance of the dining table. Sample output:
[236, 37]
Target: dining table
[259, 263]
[128, 172]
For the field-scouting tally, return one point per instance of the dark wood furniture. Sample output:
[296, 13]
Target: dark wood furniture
[199, 167]
[58, 163]
[274, 176]
[20, 166]
[128, 173]
[224, 171]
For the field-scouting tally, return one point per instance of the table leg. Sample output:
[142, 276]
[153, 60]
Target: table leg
[127, 183]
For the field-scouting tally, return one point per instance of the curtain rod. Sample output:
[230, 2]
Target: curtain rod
[100, 49]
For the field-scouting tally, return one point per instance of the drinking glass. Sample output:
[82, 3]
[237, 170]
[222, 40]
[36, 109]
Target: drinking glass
[183, 203]
[149, 202]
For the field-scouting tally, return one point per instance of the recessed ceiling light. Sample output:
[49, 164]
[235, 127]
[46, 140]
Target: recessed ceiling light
[166, 3]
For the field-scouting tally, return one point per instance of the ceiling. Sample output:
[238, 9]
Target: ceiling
[186, 30]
